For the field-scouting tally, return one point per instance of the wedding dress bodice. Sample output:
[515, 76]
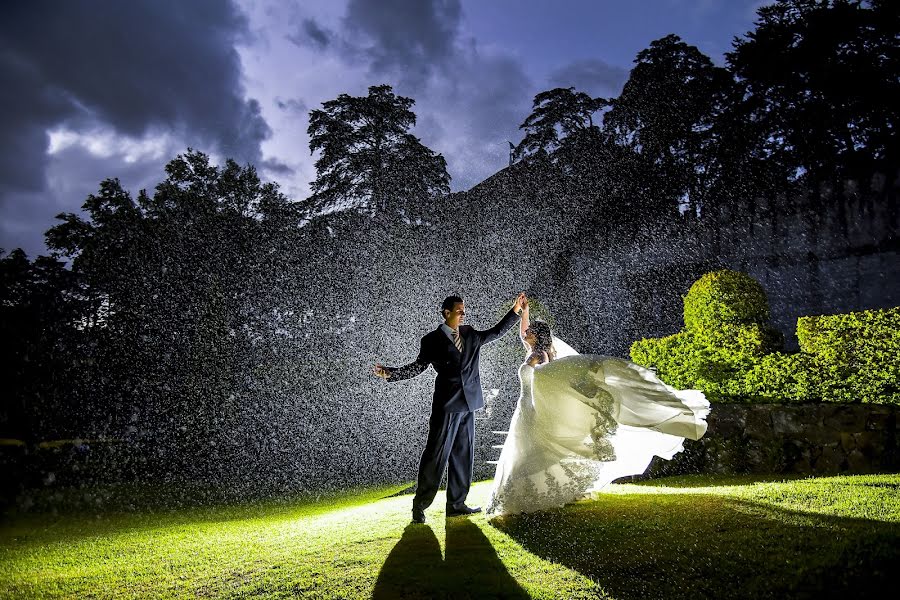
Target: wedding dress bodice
[526, 381]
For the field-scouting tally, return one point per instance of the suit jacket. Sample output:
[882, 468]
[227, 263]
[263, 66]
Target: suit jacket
[457, 387]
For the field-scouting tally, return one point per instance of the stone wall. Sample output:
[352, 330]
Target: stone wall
[821, 439]
[618, 288]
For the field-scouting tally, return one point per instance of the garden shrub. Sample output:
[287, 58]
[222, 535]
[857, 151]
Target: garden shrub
[855, 355]
[781, 377]
[728, 350]
[726, 333]
[672, 357]
[725, 297]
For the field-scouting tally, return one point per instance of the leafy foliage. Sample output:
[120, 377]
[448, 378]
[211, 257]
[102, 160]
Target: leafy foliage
[665, 113]
[725, 297]
[729, 352]
[43, 313]
[782, 377]
[558, 115]
[368, 157]
[820, 84]
[853, 356]
[177, 279]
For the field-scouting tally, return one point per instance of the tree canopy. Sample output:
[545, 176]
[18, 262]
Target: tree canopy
[557, 115]
[368, 158]
[821, 85]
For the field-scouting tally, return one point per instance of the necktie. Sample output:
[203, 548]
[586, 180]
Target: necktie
[457, 341]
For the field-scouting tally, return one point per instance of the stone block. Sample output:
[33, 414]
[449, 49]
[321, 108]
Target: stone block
[857, 462]
[758, 419]
[785, 422]
[881, 418]
[764, 457]
[848, 441]
[727, 456]
[870, 443]
[817, 434]
[833, 459]
[809, 416]
[797, 458]
[848, 418]
[725, 425]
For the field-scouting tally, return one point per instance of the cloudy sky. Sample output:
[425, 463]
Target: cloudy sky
[91, 89]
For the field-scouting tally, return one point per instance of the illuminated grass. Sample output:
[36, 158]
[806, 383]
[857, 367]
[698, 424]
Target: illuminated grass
[671, 538]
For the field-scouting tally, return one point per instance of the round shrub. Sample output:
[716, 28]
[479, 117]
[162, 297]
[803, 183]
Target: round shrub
[725, 297]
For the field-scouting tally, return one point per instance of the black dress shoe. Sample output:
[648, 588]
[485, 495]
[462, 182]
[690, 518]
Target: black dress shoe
[418, 516]
[462, 510]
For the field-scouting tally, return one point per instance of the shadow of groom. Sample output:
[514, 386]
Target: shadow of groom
[415, 569]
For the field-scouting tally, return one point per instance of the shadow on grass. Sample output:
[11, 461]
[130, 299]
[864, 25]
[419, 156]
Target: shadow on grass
[415, 569]
[702, 546]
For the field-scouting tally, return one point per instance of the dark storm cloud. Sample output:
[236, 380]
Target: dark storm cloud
[292, 105]
[591, 76]
[75, 173]
[310, 33]
[26, 107]
[276, 167]
[500, 88]
[411, 37]
[134, 67]
[468, 102]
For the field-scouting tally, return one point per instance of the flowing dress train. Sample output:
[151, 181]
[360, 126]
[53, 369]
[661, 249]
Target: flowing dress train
[583, 421]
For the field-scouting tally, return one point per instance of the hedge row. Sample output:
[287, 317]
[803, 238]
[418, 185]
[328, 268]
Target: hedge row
[728, 350]
[854, 356]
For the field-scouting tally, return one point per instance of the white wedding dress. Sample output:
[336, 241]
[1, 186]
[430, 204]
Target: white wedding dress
[583, 421]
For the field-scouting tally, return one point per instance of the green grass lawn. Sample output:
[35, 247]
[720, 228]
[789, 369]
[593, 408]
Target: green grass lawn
[688, 537]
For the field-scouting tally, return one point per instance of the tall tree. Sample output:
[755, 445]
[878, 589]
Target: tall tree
[368, 157]
[45, 343]
[821, 85]
[664, 113]
[180, 275]
[558, 115]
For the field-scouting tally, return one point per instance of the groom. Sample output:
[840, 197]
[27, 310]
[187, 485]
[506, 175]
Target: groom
[453, 349]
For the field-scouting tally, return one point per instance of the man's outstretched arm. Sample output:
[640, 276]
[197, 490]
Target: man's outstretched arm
[406, 371]
[508, 321]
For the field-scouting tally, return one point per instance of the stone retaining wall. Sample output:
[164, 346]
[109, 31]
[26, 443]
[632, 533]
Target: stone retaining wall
[818, 438]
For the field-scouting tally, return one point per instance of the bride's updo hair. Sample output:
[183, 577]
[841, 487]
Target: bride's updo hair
[543, 340]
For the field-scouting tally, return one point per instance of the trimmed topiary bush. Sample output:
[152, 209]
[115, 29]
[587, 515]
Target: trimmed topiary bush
[725, 297]
[728, 350]
[780, 377]
[726, 333]
[672, 357]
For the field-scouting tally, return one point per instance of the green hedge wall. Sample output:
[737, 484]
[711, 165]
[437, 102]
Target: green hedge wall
[728, 350]
[855, 356]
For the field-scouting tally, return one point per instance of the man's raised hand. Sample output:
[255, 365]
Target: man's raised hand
[380, 371]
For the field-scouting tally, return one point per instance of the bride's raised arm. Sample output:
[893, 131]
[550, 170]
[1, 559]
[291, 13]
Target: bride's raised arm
[523, 326]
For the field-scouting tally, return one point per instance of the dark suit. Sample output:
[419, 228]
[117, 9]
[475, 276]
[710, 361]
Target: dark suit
[457, 394]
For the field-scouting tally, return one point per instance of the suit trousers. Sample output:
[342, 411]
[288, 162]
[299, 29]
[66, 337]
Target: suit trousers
[451, 444]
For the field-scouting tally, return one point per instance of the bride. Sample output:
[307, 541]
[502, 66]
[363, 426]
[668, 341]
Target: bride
[582, 421]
